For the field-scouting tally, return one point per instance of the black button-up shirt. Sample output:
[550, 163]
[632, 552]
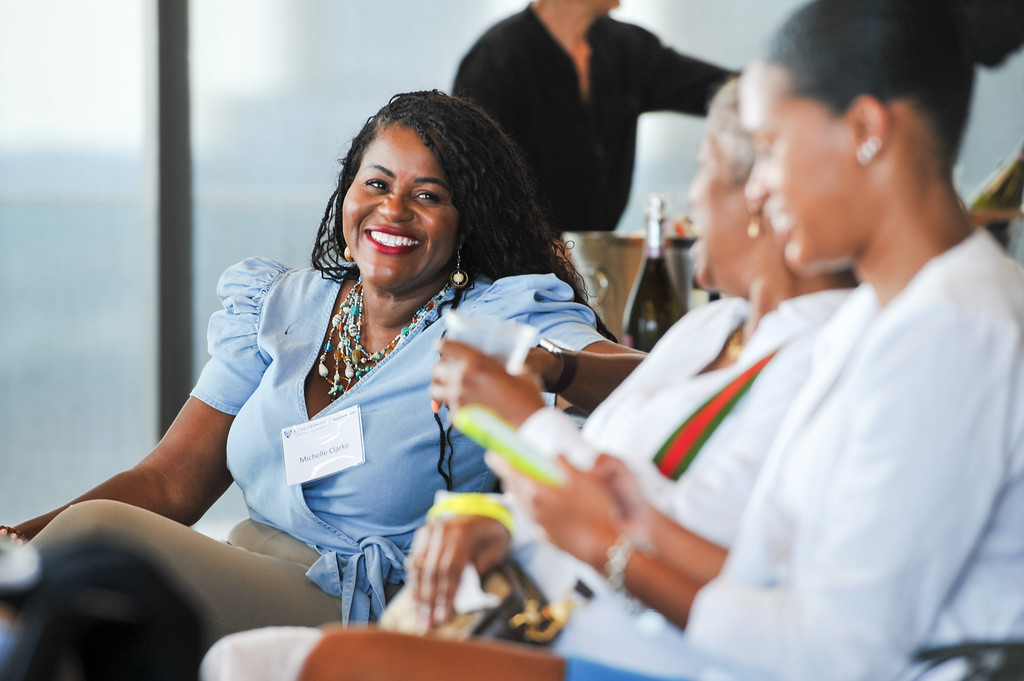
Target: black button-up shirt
[581, 153]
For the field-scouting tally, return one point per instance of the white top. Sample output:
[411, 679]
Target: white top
[639, 416]
[634, 422]
[890, 512]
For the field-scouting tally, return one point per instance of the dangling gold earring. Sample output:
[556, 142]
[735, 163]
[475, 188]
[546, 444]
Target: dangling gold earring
[458, 278]
[348, 254]
[754, 228]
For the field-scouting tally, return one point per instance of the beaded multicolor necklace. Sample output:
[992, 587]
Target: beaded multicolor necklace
[349, 351]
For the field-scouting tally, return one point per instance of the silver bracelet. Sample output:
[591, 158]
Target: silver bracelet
[568, 370]
[618, 554]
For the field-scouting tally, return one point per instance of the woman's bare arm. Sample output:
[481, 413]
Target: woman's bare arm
[600, 368]
[346, 653]
[674, 544]
[685, 551]
[466, 376]
[180, 479]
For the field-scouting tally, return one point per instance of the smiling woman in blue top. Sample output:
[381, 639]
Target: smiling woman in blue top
[886, 518]
[315, 399]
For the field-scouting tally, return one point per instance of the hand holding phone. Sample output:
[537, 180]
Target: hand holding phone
[491, 431]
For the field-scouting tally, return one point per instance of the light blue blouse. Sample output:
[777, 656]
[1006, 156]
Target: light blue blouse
[361, 520]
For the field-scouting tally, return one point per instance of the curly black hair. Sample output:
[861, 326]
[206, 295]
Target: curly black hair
[503, 228]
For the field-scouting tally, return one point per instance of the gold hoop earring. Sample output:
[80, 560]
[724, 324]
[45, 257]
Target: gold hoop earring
[754, 228]
[458, 278]
[348, 254]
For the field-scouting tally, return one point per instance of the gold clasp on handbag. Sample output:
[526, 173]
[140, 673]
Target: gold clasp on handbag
[543, 624]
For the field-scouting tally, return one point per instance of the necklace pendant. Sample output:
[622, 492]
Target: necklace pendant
[323, 370]
[349, 372]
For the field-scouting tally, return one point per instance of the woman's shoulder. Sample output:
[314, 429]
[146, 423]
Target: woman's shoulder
[710, 322]
[730, 311]
[800, 317]
[625, 34]
[729, 306]
[237, 361]
[256, 290]
[254, 278]
[975, 277]
[250, 278]
[526, 286]
[540, 300]
[502, 45]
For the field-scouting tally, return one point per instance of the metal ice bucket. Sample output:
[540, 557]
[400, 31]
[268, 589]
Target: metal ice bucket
[609, 262]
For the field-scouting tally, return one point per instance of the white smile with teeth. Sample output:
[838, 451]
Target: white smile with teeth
[386, 239]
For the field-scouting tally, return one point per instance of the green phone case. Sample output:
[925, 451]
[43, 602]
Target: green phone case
[489, 430]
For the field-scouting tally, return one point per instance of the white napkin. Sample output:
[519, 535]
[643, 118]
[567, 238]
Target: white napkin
[470, 595]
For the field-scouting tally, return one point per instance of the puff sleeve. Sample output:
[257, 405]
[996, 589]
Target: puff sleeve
[237, 362]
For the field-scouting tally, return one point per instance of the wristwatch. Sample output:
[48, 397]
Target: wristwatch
[568, 372]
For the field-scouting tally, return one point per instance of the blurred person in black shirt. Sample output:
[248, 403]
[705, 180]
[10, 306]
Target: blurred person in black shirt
[568, 83]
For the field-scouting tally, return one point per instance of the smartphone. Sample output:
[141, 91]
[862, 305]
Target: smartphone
[491, 431]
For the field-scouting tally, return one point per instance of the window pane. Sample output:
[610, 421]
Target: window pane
[77, 380]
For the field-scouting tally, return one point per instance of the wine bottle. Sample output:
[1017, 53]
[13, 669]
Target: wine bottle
[998, 200]
[654, 303]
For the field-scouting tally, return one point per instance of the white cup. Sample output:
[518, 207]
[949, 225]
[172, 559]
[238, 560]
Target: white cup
[504, 340]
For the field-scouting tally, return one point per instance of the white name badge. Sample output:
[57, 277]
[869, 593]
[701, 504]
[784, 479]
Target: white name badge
[323, 446]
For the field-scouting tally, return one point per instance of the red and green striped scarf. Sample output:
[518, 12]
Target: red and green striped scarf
[681, 448]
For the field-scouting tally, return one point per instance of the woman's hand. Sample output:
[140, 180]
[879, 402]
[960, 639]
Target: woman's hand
[685, 552]
[464, 375]
[580, 516]
[636, 512]
[11, 534]
[440, 552]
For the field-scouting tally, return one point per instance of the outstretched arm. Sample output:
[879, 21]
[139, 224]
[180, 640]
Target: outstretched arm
[180, 479]
[600, 368]
[465, 375]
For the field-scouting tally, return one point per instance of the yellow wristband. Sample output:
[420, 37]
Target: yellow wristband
[472, 503]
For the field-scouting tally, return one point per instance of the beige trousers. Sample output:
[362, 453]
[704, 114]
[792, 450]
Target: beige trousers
[256, 579]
